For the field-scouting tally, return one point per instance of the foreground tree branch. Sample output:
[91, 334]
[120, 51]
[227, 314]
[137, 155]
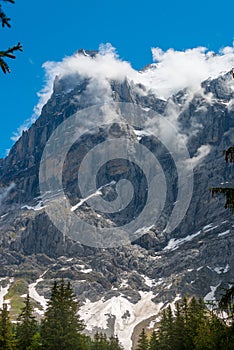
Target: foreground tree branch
[10, 52]
[227, 191]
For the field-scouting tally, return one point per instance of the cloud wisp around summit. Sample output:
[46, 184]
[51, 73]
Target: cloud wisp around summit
[170, 71]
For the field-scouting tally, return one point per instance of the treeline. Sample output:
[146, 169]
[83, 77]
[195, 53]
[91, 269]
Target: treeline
[192, 326]
[60, 329]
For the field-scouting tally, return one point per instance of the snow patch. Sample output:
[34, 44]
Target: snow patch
[127, 315]
[221, 269]
[150, 282]
[87, 270]
[70, 259]
[223, 233]
[151, 325]
[211, 295]
[227, 268]
[37, 207]
[155, 257]
[38, 311]
[83, 200]
[200, 268]
[173, 308]
[95, 194]
[4, 290]
[141, 133]
[65, 268]
[34, 294]
[218, 270]
[143, 230]
[84, 270]
[211, 228]
[174, 244]
[207, 226]
[124, 283]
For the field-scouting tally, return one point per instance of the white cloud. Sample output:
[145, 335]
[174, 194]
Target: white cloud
[175, 70]
[5, 191]
[201, 153]
[106, 65]
[16, 134]
[171, 71]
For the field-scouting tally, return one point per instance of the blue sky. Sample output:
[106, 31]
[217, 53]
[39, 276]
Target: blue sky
[50, 30]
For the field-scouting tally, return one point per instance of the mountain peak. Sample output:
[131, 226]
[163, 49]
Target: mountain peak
[87, 53]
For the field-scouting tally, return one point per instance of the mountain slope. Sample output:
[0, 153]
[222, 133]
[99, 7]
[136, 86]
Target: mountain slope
[122, 286]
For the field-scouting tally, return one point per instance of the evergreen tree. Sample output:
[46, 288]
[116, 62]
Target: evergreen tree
[153, 344]
[114, 343]
[26, 326]
[36, 343]
[226, 303]
[195, 315]
[142, 343]
[61, 327]
[166, 330]
[203, 339]
[6, 337]
[101, 342]
[96, 341]
[194, 327]
[179, 328]
[211, 335]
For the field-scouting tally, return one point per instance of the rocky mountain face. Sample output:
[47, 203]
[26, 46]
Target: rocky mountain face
[120, 287]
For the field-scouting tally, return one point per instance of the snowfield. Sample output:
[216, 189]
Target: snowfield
[127, 315]
[174, 244]
[34, 294]
[4, 290]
